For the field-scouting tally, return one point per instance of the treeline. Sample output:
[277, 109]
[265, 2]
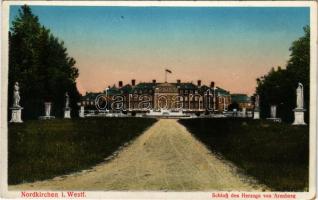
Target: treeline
[40, 63]
[278, 87]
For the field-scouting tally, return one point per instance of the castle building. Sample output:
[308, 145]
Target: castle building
[172, 96]
[243, 101]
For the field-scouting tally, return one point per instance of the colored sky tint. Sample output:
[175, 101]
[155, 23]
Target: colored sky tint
[229, 45]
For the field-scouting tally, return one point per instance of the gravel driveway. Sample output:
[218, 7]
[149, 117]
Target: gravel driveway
[166, 157]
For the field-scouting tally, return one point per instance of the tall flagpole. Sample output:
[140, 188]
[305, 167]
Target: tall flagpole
[167, 71]
[165, 75]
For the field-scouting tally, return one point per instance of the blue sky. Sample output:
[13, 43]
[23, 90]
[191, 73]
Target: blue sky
[222, 44]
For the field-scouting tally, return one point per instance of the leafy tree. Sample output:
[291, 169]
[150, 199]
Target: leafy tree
[299, 66]
[40, 63]
[278, 87]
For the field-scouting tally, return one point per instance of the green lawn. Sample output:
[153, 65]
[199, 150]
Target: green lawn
[43, 149]
[275, 154]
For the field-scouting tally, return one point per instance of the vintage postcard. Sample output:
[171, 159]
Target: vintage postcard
[158, 99]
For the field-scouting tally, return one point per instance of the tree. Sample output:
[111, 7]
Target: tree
[233, 105]
[278, 87]
[40, 63]
[298, 66]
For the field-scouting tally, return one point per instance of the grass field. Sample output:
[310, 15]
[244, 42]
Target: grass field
[275, 154]
[43, 149]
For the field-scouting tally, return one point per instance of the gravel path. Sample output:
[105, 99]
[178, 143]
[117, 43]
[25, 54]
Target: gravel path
[164, 158]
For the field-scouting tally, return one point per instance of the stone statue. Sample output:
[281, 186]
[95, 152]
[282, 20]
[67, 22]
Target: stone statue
[67, 110]
[16, 108]
[67, 102]
[273, 111]
[257, 101]
[299, 110]
[300, 96]
[16, 95]
[81, 112]
[47, 107]
[256, 114]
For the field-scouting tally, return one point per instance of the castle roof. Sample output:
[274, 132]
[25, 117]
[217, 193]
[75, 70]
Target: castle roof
[222, 92]
[145, 85]
[186, 86]
[240, 98]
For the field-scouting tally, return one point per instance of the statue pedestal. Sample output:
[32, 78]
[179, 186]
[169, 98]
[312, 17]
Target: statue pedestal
[67, 113]
[299, 116]
[47, 111]
[275, 119]
[256, 115]
[16, 115]
[273, 114]
[46, 117]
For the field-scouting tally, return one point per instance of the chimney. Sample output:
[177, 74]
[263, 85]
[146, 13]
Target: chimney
[178, 81]
[133, 82]
[212, 84]
[199, 83]
[154, 81]
[120, 84]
